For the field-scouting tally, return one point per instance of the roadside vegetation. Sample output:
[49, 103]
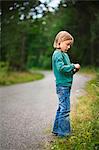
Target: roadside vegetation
[89, 70]
[8, 77]
[85, 122]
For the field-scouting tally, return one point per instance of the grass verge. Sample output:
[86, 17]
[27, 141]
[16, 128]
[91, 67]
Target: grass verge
[8, 78]
[90, 70]
[85, 122]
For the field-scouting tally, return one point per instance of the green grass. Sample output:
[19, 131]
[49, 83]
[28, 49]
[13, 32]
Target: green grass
[8, 78]
[85, 122]
[89, 70]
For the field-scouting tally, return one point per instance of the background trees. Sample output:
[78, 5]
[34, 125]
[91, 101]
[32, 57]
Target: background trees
[28, 30]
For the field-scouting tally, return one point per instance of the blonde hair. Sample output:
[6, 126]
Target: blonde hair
[61, 37]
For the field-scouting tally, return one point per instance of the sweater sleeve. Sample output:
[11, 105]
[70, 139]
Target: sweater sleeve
[62, 67]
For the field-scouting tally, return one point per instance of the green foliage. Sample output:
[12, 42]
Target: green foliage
[89, 70]
[29, 43]
[8, 77]
[4, 67]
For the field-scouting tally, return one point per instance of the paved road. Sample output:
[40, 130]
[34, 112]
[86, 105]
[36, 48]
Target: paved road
[27, 112]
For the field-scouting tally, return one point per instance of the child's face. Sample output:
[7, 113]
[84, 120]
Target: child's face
[65, 45]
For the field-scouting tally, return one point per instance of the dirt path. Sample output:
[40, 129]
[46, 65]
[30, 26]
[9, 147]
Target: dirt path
[27, 111]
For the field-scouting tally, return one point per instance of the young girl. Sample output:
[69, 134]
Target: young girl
[63, 70]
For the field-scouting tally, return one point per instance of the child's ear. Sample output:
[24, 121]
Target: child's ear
[58, 45]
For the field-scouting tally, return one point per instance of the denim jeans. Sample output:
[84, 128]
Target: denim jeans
[62, 120]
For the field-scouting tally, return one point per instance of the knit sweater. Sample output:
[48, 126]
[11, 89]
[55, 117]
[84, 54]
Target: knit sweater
[62, 68]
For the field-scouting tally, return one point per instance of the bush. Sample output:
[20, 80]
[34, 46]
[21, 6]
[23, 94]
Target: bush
[4, 67]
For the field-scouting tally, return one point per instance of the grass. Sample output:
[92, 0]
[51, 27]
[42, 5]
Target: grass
[8, 78]
[85, 122]
[90, 70]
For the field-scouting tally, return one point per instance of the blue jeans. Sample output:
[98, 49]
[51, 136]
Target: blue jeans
[62, 120]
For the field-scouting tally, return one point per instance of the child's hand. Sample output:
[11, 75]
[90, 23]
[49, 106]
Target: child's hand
[77, 66]
[75, 70]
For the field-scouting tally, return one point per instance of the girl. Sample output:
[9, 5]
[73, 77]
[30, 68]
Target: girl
[63, 70]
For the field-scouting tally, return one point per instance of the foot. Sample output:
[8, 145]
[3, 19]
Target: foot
[67, 135]
[55, 134]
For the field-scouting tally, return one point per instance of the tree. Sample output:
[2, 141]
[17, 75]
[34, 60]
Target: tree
[27, 39]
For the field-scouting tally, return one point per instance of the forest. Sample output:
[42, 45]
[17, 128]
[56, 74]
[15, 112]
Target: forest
[27, 32]
[28, 29]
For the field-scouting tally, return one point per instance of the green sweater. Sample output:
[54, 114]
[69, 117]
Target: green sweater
[62, 67]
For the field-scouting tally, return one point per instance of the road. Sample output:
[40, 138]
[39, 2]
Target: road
[27, 111]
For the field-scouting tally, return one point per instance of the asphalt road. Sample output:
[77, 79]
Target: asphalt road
[27, 111]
